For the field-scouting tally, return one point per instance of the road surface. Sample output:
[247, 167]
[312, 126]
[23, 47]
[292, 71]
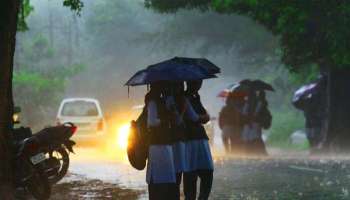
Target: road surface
[283, 176]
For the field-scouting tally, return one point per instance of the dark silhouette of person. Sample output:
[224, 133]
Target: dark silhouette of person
[231, 122]
[175, 103]
[315, 116]
[161, 174]
[258, 117]
[199, 160]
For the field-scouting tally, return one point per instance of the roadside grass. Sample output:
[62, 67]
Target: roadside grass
[286, 145]
[283, 126]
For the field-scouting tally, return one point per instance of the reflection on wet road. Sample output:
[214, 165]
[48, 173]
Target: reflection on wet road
[235, 178]
[108, 166]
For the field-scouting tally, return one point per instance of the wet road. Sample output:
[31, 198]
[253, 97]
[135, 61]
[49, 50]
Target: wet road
[278, 178]
[285, 176]
[109, 166]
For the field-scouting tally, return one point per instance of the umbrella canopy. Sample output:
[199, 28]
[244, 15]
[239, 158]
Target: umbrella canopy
[261, 85]
[175, 69]
[232, 89]
[304, 94]
[244, 86]
[169, 72]
[198, 62]
[257, 84]
[226, 92]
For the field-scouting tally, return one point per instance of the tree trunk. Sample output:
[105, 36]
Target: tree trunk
[8, 27]
[338, 136]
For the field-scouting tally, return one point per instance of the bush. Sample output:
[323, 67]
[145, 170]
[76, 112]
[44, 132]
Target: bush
[283, 125]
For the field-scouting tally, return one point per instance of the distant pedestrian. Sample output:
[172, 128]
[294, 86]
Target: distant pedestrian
[315, 116]
[231, 122]
[258, 118]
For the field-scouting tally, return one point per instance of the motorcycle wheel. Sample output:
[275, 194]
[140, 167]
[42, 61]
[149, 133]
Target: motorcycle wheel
[38, 185]
[62, 156]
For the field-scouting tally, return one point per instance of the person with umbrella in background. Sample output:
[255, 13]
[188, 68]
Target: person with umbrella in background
[244, 116]
[199, 159]
[257, 117]
[231, 122]
[311, 99]
[260, 118]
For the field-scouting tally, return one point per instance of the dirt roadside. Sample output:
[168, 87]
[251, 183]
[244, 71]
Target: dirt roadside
[75, 187]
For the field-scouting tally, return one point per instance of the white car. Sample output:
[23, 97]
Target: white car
[86, 114]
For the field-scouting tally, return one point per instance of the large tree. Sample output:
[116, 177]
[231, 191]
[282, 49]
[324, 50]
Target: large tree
[313, 32]
[8, 25]
[9, 21]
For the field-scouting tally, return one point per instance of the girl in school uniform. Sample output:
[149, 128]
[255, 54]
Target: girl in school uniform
[161, 174]
[198, 155]
[175, 102]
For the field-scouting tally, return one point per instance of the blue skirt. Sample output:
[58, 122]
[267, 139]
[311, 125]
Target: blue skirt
[160, 165]
[198, 155]
[179, 150]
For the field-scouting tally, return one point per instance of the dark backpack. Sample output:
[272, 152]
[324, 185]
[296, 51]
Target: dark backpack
[137, 148]
[265, 118]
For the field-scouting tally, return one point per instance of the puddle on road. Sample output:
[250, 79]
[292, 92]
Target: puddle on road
[108, 166]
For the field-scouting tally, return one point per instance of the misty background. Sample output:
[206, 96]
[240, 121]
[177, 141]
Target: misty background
[93, 55]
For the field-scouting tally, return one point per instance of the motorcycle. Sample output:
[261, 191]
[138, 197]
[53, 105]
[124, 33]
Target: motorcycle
[42, 159]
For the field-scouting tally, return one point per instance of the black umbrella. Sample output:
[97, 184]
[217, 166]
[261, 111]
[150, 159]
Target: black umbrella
[261, 85]
[168, 71]
[198, 62]
[256, 84]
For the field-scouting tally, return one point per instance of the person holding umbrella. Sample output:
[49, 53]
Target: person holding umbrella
[199, 158]
[258, 117]
[161, 169]
[231, 122]
[161, 172]
[311, 99]
[175, 103]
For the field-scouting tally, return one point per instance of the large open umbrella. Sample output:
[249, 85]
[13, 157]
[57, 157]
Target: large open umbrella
[198, 62]
[147, 76]
[176, 69]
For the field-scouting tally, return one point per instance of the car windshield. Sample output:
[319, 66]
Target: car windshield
[80, 108]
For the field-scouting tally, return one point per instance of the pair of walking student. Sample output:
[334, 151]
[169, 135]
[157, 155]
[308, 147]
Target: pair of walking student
[179, 147]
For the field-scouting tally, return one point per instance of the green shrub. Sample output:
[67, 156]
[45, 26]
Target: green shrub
[283, 125]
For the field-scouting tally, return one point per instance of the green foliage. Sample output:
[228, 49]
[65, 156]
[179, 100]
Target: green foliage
[45, 84]
[74, 5]
[35, 81]
[173, 6]
[311, 32]
[37, 49]
[305, 75]
[40, 74]
[25, 10]
[38, 93]
[284, 124]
